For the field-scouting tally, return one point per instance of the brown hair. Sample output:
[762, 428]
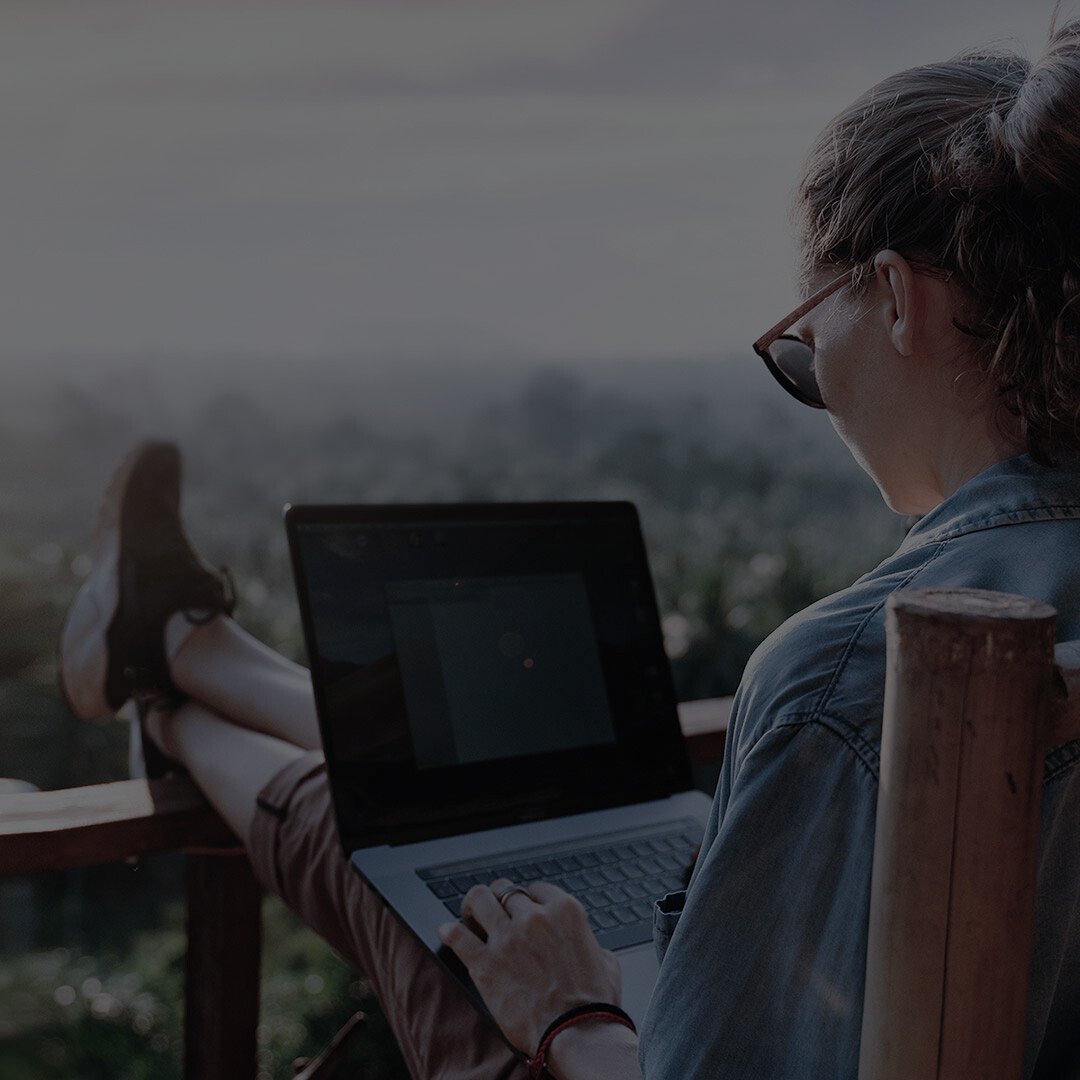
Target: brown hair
[972, 165]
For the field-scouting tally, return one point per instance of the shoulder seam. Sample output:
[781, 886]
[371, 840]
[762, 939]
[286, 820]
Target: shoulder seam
[861, 748]
[869, 757]
[1029, 514]
[849, 647]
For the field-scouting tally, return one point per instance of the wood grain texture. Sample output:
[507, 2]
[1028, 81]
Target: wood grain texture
[968, 695]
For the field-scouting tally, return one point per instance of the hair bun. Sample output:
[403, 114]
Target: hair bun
[1043, 129]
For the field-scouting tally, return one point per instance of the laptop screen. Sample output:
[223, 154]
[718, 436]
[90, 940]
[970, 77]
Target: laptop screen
[498, 667]
[467, 659]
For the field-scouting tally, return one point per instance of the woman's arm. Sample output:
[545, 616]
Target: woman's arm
[534, 956]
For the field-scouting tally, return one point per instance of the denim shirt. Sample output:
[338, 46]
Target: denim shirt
[763, 957]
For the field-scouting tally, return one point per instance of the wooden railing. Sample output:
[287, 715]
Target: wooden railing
[129, 819]
[122, 821]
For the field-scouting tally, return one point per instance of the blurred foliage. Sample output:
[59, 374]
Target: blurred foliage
[66, 1016]
[751, 510]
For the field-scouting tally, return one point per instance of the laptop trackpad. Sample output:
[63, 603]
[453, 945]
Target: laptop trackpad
[639, 970]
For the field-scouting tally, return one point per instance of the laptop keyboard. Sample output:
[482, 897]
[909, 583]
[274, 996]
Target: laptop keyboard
[617, 876]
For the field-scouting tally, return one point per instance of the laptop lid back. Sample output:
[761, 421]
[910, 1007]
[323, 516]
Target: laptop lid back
[475, 665]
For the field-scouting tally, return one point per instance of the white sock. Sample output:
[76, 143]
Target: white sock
[156, 726]
[178, 631]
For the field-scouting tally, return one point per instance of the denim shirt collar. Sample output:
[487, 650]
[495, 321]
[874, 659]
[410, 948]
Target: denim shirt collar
[1010, 491]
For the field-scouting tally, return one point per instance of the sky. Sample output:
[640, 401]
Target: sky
[419, 178]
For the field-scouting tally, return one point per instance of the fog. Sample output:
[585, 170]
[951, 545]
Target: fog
[567, 178]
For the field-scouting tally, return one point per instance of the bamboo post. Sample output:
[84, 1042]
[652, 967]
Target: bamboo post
[968, 708]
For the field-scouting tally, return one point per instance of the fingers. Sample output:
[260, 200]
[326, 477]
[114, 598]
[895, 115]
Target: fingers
[558, 903]
[484, 915]
[514, 899]
[461, 941]
[482, 908]
[544, 893]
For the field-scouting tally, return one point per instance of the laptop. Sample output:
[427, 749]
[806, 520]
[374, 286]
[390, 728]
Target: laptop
[495, 701]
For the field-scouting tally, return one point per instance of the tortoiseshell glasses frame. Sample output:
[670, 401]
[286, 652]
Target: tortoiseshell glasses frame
[791, 360]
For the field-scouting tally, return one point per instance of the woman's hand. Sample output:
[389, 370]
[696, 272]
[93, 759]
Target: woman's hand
[531, 957]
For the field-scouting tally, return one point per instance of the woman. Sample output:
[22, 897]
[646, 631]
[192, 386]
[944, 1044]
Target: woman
[939, 223]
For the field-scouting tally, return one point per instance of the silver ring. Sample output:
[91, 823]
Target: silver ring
[509, 891]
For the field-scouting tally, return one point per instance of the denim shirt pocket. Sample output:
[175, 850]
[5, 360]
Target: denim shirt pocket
[666, 914]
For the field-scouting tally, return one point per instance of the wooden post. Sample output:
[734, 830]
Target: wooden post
[968, 707]
[224, 932]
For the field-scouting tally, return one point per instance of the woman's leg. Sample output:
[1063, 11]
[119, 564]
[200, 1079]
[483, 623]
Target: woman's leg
[230, 764]
[275, 796]
[222, 666]
[139, 624]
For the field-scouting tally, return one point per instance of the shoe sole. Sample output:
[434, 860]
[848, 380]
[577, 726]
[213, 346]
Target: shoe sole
[83, 646]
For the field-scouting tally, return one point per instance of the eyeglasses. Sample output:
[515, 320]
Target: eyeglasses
[790, 360]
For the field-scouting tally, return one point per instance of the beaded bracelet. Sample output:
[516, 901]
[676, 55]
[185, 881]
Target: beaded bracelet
[579, 1014]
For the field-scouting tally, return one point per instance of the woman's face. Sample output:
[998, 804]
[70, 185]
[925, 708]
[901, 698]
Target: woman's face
[850, 365]
[886, 363]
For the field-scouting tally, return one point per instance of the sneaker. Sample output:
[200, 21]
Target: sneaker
[112, 646]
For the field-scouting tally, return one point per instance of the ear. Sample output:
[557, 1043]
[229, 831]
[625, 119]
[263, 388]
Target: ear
[899, 299]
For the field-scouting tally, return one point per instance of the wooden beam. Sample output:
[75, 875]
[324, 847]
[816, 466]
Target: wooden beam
[968, 694]
[704, 725]
[55, 830]
[224, 942]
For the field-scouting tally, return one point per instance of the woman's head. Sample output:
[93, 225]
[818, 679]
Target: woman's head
[971, 166]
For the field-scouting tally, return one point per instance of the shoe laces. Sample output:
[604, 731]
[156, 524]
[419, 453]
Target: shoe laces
[221, 597]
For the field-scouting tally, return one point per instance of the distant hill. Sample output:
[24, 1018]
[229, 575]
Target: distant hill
[439, 397]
